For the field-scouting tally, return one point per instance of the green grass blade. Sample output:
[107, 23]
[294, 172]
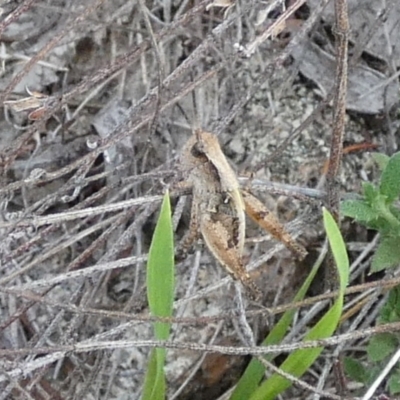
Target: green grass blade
[154, 383]
[338, 248]
[160, 295]
[251, 378]
[299, 361]
[160, 270]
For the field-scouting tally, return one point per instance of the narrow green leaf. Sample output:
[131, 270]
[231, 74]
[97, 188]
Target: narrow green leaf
[387, 254]
[390, 182]
[355, 370]
[359, 210]
[160, 295]
[382, 345]
[160, 270]
[338, 248]
[154, 385]
[299, 361]
[255, 370]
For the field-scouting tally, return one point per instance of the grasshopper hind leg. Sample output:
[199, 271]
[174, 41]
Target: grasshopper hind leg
[217, 231]
[256, 210]
[253, 290]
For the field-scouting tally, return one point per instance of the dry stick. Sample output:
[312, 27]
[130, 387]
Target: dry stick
[23, 248]
[126, 59]
[339, 114]
[122, 131]
[54, 250]
[380, 18]
[91, 345]
[119, 245]
[8, 155]
[39, 298]
[82, 212]
[389, 366]
[73, 265]
[126, 128]
[98, 210]
[297, 381]
[120, 135]
[48, 46]
[87, 212]
[160, 78]
[190, 375]
[43, 336]
[27, 294]
[82, 273]
[222, 124]
[302, 34]
[25, 6]
[274, 28]
[339, 107]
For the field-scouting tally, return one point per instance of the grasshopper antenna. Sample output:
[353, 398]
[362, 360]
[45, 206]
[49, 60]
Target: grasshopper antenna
[181, 109]
[195, 121]
[196, 118]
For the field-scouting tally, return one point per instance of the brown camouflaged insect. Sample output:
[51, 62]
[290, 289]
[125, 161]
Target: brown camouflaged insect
[219, 206]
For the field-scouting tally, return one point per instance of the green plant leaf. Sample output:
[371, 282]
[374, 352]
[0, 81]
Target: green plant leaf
[255, 370]
[299, 361]
[387, 254]
[381, 159]
[390, 311]
[359, 210]
[154, 383]
[382, 345]
[390, 182]
[355, 370]
[396, 213]
[383, 211]
[339, 251]
[160, 294]
[370, 192]
[394, 382]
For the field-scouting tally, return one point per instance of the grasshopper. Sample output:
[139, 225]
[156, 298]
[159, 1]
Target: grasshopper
[219, 206]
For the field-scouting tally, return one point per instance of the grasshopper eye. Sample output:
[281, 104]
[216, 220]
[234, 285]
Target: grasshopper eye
[195, 152]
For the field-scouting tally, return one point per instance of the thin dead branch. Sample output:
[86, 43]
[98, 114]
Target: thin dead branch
[338, 130]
